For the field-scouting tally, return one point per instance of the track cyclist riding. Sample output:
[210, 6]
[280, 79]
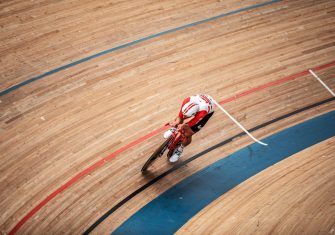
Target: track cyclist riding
[193, 115]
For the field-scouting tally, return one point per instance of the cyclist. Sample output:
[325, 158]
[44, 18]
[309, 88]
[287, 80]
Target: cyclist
[193, 115]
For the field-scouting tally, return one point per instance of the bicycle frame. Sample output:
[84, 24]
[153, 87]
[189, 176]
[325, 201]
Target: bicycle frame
[171, 143]
[175, 140]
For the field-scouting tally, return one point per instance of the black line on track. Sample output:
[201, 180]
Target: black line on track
[139, 190]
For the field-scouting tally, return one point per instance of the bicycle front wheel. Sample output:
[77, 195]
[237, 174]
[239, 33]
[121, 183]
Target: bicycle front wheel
[159, 152]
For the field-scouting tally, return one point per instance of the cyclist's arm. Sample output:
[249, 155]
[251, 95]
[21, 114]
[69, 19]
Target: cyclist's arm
[177, 121]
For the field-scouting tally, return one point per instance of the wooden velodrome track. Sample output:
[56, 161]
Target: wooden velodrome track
[72, 141]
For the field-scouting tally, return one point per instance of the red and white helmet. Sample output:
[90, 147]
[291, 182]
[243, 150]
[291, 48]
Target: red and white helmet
[189, 109]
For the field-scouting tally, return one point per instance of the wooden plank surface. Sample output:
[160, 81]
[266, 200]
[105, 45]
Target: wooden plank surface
[294, 196]
[56, 127]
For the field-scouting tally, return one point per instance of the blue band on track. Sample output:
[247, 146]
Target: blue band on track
[172, 209]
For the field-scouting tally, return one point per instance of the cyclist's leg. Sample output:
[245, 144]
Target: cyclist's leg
[187, 136]
[189, 132]
[197, 127]
[186, 140]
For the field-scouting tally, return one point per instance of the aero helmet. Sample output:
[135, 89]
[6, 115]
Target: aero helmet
[190, 109]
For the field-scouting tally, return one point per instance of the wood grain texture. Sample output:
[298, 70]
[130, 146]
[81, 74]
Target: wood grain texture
[294, 196]
[54, 128]
[40, 35]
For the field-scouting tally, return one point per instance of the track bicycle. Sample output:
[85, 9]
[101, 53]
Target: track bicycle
[171, 144]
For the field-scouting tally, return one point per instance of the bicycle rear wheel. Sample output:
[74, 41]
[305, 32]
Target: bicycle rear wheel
[159, 152]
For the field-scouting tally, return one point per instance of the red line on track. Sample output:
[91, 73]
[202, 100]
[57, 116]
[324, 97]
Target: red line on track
[140, 140]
